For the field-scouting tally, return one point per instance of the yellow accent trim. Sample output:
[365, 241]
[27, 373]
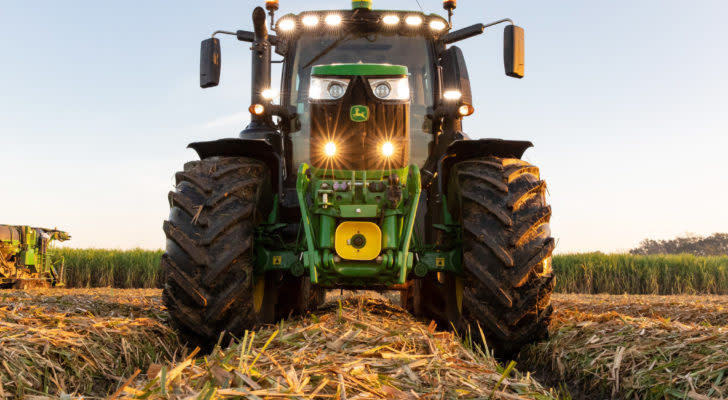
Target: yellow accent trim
[459, 293]
[258, 294]
[346, 230]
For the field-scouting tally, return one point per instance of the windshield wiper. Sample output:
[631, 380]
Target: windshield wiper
[327, 50]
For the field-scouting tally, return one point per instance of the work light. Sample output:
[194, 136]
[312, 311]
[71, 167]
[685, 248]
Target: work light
[287, 25]
[437, 25]
[452, 95]
[390, 19]
[310, 20]
[413, 20]
[333, 20]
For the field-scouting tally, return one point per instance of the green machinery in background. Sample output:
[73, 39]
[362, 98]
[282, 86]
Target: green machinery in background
[357, 174]
[27, 258]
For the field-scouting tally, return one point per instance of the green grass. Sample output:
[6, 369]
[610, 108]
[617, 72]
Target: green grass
[575, 273]
[653, 274]
[116, 268]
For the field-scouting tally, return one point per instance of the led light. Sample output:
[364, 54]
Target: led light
[382, 90]
[269, 94]
[310, 20]
[413, 20]
[287, 25]
[390, 19]
[387, 149]
[452, 95]
[336, 90]
[466, 109]
[257, 109]
[333, 20]
[330, 149]
[437, 25]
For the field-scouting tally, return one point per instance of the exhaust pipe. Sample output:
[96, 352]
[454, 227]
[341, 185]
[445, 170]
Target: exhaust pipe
[261, 51]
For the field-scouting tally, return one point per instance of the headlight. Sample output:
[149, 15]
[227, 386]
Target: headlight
[327, 89]
[387, 149]
[382, 90]
[390, 89]
[330, 149]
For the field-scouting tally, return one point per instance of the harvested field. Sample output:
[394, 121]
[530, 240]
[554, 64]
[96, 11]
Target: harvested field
[79, 341]
[641, 347]
[98, 342]
[95, 342]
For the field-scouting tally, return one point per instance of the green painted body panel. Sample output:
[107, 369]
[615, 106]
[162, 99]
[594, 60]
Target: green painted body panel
[359, 70]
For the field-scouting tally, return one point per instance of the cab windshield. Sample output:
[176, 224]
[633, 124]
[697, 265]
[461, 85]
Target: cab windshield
[413, 52]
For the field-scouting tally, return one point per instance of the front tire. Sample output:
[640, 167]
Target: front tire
[210, 286]
[507, 248]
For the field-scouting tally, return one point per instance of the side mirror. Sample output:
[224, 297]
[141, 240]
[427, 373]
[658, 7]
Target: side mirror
[514, 51]
[455, 77]
[209, 63]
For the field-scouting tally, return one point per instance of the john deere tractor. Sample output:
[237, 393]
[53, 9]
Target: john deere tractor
[357, 174]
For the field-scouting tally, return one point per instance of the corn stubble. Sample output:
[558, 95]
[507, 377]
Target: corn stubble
[358, 348]
[637, 347]
[78, 341]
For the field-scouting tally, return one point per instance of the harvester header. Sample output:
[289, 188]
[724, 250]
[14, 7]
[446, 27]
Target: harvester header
[27, 258]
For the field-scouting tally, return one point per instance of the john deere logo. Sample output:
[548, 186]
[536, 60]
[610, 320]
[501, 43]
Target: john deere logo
[359, 113]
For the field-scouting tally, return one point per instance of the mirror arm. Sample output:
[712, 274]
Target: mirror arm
[470, 31]
[245, 36]
[500, 21]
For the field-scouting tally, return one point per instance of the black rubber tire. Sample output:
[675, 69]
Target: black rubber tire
[208, 266]
[298, 296]
[507, 246]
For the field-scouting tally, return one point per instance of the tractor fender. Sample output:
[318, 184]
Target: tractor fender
[268, 150]
[461, 150]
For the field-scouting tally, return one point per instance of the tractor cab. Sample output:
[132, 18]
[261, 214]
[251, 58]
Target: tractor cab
[362, 36]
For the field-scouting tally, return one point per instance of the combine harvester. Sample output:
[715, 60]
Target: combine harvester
[27, 259]
[360, 177]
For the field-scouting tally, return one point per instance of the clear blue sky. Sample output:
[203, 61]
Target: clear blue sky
[625, 102]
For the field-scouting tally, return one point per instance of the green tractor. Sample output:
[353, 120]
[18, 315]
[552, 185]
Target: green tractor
[27, 259]
[359, 177]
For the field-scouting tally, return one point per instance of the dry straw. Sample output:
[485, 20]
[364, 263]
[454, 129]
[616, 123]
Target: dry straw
[56, 341]
[361, 348]
[654, 347]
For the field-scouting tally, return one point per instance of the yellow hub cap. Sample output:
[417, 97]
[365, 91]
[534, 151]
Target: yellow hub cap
[361, 241]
